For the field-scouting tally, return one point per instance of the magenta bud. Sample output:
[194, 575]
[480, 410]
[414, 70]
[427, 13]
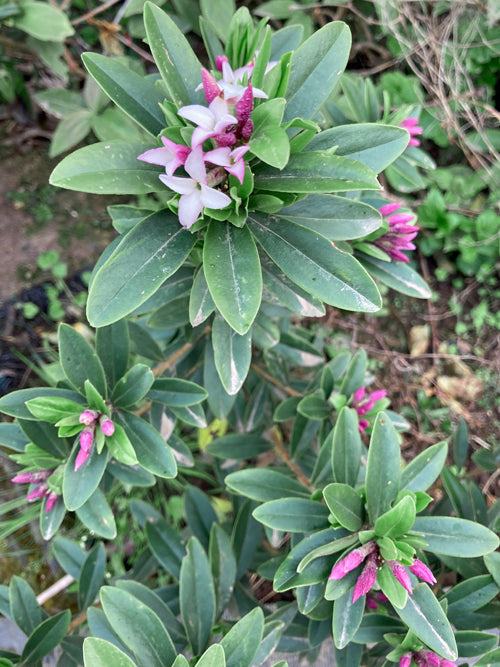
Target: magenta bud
[432, 659]
[24, 478]
[246, 130]
[400, 573]
[226, 140]
[81, 457]
[210, 87]
[219, 61]
[88, 417]
[86, 439]
[370, 603]
[107, 426]
[363, 424]
[51, 501]
[421, 571]
[244, 106]
[39, 491]
[387, 209]
[345, 565]
[367, 578]
[405, 660]
[446, 663]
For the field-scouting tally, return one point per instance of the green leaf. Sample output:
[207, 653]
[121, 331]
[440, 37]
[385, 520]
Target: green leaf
[334, 217]
[50, 522]
[91, 576]
[219, 401]
[425, 617]
[232, 271]
[265, 484]
[14, 404]
[471, 643]
[314, 406]
[374, 626]
[245, 537]
[138, 627]
[24, 609]
[242, 641]
[398, 520]
[316, 172]
[197, 596]
[350, 656]
[382, 468]
[79, 485]
[470, 595]
[288, 293]
[121, 448]
[151, 252]
[101, 653]
[345, 505]
[108, 168]
[295, 515]
[133, 386]
[46, 637]
[347, 617]
[152, 452]
[96, 514]
[43, 21]
[200, 515]
[12, 437]
[374, 145]
[176, 392]
[271, 145]
[397, 275]
[72, 129]
[79, 361]
[137, 96]
[222, 566]
[238, 446]
[201, 304]
[391, 588]
[232, 355]
[314, 264]
[52, 409]
[166, 545]
[455, 537]
[346, 448]
[315, 69]
[218, 13]
[213, 657]
[355, 373]
[179, 67]
[424, 469]
[69, 555]
[112, 345]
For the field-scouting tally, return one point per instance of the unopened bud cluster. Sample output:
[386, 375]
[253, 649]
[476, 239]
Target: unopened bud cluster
[424, 659]
[92, 420]
[41, 489]
[369, 554]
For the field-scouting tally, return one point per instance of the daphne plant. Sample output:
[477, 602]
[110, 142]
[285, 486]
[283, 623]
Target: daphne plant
[276, 449]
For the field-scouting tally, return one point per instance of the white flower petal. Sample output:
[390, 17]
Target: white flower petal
[190, 207]
[195, 165]
[183, 186]
[161, 156]
[213, 198]
[198, 115]
[220, 156]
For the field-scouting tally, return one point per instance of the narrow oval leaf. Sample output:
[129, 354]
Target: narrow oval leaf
[242, 641]
[138, 627]
[14, 404]
[179, 67]
[201, 304]
[24, 609]
[346, 449]
[382, 468]
[336, 218]
[424, 469]
[232, 271]
[96, 514]
[397, 275]
[176, 392]
[101, 653]
[46, 637]
[135, 95]
[197, 596]
[79, 361]
[314, 264]
[133, 386]
[295, 515]
[223, 567]
[424, 615]
[213, 657]
[317, 172]
[91, 576]
[112, 344]
[265, 484]
[153, 453]
[232, 355]
[165, 544]
[347, 616]
[108, 168]
[372, 144]
[345, 505]
[315, 69]
[451, 536]
[79, 485]
[151, 252]
[238, 446]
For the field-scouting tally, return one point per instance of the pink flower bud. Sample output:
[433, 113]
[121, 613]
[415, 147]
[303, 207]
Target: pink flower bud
[421, 571]
[367, 577]
[51, 501]
[219, 61]
[210, 87]
[39, 491]
[405, 660]
[387, 209]
[370, 603]
[447, 663]
[345, 565]
[226, 140]
[107, 426]
[244, 106]
[81, 457]
[31, 477]
[88, 417]
[400, 573]
[432, 659]
[86, 439]
[246, 130]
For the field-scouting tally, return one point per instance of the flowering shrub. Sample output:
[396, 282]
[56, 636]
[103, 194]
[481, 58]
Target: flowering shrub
[253, 211]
